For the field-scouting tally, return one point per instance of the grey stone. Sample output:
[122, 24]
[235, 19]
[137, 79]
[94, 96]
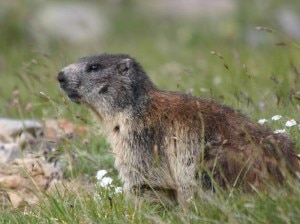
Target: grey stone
[15, 130]
[190, 8]
[289, 22]
[9, 152]
[70, 22]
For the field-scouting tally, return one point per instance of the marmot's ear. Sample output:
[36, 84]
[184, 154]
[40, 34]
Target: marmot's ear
[124, 66]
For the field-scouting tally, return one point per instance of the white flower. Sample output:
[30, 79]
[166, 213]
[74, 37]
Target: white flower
[105, 181]
[276, 117]
[290, 123]
[279, 131]
[118, 190]
[262, 121]
[97, 197]
[100, 174]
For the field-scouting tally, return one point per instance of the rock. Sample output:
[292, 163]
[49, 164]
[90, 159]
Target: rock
[15, 199]
[190, 8]
[16, 135]
[24, 169]
[71, 22]
[55, 129]
[23, 180]
[11, 181]
[36, 167]
[12, 129]
[32, 167]
[28, 163]
[9, 152]
[289, 22]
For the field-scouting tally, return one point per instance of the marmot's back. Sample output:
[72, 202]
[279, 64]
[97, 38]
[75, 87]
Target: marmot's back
[235, 149]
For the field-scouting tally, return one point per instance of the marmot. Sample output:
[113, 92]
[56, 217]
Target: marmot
[171, 143]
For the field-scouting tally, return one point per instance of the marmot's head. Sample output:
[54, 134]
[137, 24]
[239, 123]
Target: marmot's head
[107, 83]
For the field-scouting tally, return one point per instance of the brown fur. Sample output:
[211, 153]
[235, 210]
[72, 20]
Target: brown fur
[172, 144]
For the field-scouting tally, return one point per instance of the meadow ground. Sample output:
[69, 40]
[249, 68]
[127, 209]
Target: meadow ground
[208, 58]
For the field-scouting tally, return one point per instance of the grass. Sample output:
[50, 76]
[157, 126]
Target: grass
[277, 205]
[210, 58]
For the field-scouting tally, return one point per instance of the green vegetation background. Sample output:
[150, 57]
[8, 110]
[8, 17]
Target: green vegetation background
[260, 79]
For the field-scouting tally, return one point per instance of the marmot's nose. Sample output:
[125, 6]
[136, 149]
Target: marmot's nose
[61, 77]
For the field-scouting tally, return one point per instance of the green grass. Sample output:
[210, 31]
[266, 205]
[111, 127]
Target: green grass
[260, 80]
[275, 206]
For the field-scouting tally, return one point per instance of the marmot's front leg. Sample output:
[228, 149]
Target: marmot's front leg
[185, 168]
[139, 187]
[153, 194]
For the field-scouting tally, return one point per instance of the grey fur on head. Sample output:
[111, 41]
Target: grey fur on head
[112, 82]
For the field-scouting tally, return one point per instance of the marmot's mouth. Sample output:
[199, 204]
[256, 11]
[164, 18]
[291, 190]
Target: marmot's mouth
[74, 97]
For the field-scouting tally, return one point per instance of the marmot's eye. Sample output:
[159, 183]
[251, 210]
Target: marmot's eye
[93, 67]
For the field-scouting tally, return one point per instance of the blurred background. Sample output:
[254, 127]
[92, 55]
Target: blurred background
[208, 48]
[244, 54]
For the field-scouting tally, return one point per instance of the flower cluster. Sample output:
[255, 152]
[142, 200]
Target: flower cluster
[288, 123]
[106, 182]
